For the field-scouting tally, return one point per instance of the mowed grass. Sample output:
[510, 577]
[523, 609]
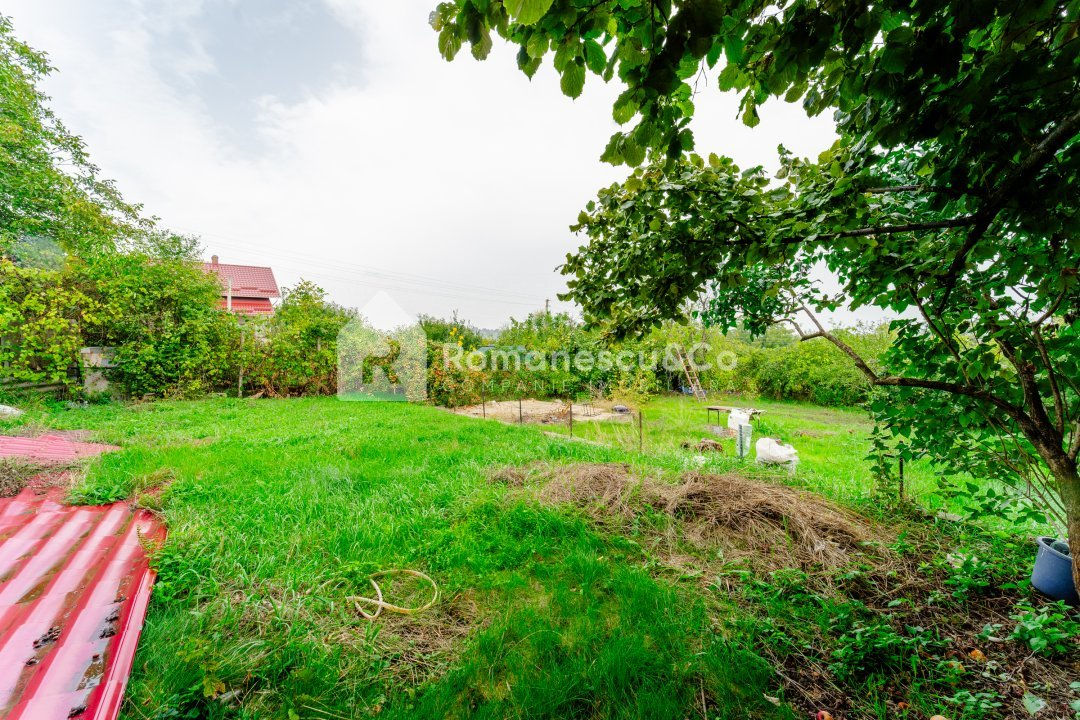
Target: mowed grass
[279, 510]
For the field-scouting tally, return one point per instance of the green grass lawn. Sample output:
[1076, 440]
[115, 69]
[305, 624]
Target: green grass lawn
[280, 510]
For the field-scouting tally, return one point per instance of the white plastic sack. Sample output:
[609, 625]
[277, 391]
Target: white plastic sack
[736, 418]
[6, 411]
[773, 452]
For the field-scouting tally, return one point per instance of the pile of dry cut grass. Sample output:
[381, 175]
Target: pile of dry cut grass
[774, 525]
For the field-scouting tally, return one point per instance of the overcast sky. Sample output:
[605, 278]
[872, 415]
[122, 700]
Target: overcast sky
[328, 139]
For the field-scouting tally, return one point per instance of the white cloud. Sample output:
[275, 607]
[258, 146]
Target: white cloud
[460, 179]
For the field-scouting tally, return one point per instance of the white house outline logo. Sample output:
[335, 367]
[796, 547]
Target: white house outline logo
[382, 355]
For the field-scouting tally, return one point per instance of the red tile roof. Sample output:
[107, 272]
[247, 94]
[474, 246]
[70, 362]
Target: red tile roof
[248, 281]
[249, 306]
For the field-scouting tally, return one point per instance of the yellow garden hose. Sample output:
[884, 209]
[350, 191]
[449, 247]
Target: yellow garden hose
[381, 604]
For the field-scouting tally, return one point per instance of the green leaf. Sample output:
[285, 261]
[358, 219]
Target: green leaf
[895, 58]
[537, 44]
[449, 42]
[750, 116]
[1033, 703]
[733, 48]
[565, 54]
[573, 80]
[625, 107]
[527, 64]
[728, 77]
[527, 12]
[482, 47]
[595, 58]
[632, 152]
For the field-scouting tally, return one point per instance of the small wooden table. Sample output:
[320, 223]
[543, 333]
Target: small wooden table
[726, 409]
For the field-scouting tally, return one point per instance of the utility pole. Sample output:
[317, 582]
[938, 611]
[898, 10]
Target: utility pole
[547, 306]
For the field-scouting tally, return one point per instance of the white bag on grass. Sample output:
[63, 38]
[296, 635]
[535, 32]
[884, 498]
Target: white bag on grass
[736, 418]
[773, 452]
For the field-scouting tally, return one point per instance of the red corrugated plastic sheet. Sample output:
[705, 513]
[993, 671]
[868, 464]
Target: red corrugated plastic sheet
[74, 586]
[49, 448]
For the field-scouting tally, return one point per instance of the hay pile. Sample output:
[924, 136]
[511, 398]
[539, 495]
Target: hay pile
[704, 446]
[765, 524]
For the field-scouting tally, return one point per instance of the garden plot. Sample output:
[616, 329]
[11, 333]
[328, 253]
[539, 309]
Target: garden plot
[543, 412]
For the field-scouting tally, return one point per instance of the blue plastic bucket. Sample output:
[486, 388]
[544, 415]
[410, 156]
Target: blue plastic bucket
[1052, 574]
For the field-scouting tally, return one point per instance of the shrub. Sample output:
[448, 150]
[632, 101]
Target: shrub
[39, 324]
[454, 331]
[163, 318]
[1047, 630]
[298, 355]
[817, 371]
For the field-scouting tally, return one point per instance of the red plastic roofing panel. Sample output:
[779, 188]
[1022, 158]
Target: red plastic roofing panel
[49, 448]
[247, 280]
[74, 586]
[249, 306]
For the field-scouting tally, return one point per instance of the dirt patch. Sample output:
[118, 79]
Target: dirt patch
[764, 524]
[721, 431]
[543, 412]
[705, 445]
[17, 474]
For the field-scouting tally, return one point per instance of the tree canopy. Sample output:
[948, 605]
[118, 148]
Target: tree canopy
[950, 197]
[49, 190]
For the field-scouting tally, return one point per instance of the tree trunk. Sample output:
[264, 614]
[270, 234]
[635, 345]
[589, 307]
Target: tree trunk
[1069, 486]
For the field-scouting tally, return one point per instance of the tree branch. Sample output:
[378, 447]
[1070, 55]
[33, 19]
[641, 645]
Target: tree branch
[1049, 311]
[1059, 408]
[954, 388]
[934, 328]
[961, 221]
[1074, 449]
[896, 188]
[978, 393]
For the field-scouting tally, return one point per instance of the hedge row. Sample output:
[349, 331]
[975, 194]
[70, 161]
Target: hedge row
[777, 366]
[163, 318]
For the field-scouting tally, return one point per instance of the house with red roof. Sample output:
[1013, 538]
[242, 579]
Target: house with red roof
[245, 289]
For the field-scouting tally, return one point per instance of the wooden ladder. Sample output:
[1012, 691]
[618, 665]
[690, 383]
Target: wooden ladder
[692, 379]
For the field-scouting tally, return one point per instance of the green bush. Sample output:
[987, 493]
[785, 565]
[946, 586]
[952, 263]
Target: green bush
[39, 325]
[162, 317]
[777, 366]
[297, 353]
[817, 371]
